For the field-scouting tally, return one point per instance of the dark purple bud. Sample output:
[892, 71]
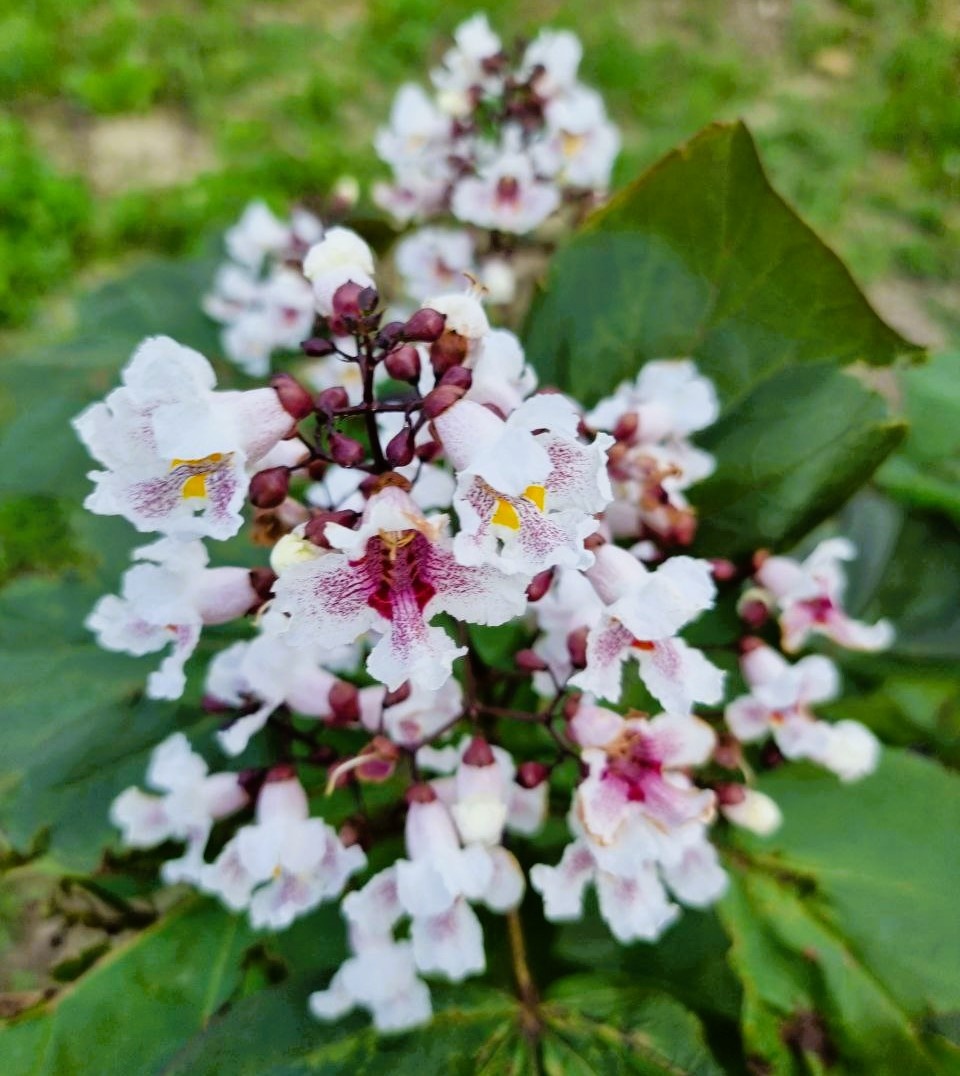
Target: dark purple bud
[429, 451]
[317, 346]
[754, 613]
[723, 570]
[458, 376]
[594, 541]
[346, 451]
[330, 401]
[577, 648]
[626, 426]
[478, 753]
[426, 325]
[389, 335]
[368, 299]
[529, 661]
[262, 580]
[269, 488]
[448, 350]
[403, 363]
[315, 529]
[399, 450]
[421, 793]
[346, 300]
[532, 774]
[283, 771]
[294, 398]
[438, 400]
[728, 795]
[344, 702]
[317, 469]
[727, 753]
[539, 585]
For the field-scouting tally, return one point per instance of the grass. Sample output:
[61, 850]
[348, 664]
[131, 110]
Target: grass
[138, 124]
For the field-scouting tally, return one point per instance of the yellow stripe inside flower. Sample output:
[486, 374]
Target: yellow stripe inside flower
[196, 484]
[506, 515]
[571, 144]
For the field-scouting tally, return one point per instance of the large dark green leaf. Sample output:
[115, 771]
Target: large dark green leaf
[926, 473]
[789, 453]
[700, 256]
[909, 571]
[844, 926]
[584, 1025]
[134, 1008]
[76, 729]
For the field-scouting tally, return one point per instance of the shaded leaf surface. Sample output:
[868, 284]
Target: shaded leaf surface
[700, 256]
[586, 1026]
[132, 1010]
[844, 929]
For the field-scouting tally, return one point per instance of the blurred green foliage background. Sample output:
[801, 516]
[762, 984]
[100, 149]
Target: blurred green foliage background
[133, 125]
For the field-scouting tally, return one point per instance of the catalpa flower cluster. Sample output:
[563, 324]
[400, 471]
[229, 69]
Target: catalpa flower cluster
[448, 496]
[471, 610]
[508, 140]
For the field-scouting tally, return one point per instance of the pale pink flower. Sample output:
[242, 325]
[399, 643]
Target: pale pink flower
[178, 454]
[166, 602]
[809, 596]
[191, 799]
[644, 611]
[527, 487]
[285, 863]
[505, 195]
[392, 576]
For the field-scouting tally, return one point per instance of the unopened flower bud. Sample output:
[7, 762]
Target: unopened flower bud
[269, 488]
[539, 585]
[753, 608]
[367, 300]
[727, 752]
[317, 469]
[754, 811]
[399, 450]
[262, 580]
[283, 771]
[314, 531]
[429, 451]
[421, 793]
[458, 376]
[594, 541]
[403, 363]
[723, 570]
[450, 349]
[425, 325]
[626, 427]
[294, 398]
[532, 774]
[478, 753]
[749, 643]
[346, 451]
[344, 703]
[438, 400]
[317, 346]
[346, 300]
[529, 661]
[730, 794]
[389, 334]
[332, 400]
[577, 648]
